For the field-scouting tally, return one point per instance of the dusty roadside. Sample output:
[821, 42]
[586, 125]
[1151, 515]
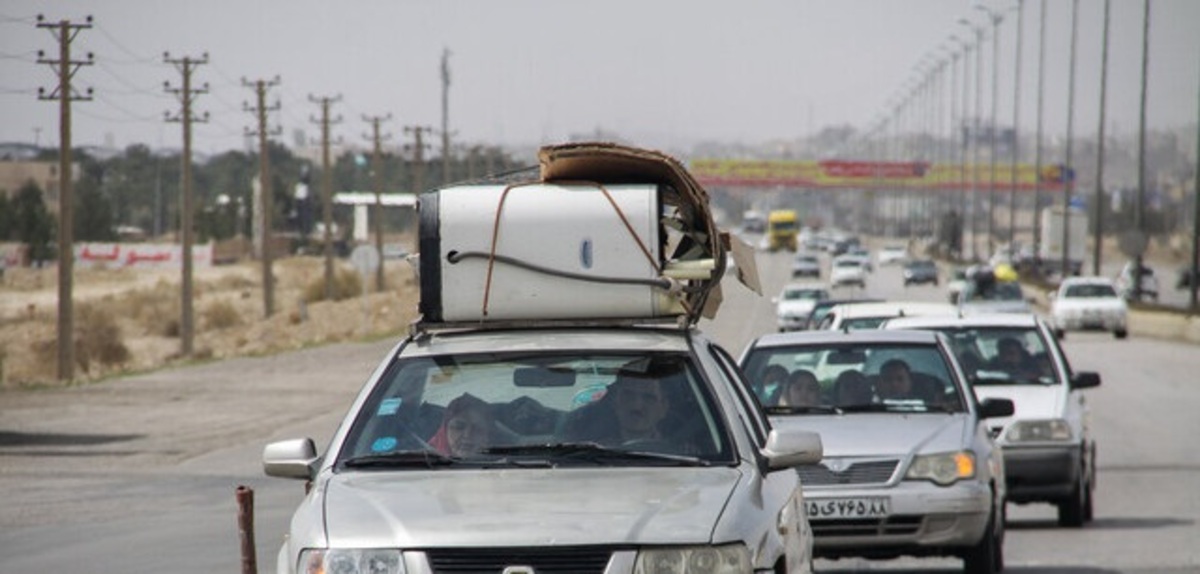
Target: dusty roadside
[128, 322]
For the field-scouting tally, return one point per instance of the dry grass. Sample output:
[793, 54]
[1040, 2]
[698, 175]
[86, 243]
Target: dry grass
[127, 322]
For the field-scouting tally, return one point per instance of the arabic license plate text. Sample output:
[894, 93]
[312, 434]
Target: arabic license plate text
[867, 507]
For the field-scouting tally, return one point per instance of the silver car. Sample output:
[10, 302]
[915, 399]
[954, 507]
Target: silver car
[909, 466]
[521, 450]
[1048, 445]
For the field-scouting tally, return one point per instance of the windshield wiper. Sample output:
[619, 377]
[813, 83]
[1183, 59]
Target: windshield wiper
[803, 409]
[594, 453]
[402, 459]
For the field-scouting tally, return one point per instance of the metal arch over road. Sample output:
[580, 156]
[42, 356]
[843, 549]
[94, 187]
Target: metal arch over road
[852, 174]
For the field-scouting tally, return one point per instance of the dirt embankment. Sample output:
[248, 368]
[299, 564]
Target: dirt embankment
[128, 320]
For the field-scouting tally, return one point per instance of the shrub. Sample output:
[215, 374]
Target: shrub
[221, 315]
[346, 284]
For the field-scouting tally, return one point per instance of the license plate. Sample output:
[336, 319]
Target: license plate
[830, 508]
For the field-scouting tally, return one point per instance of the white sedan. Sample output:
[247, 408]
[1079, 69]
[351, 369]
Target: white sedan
[1088, 303]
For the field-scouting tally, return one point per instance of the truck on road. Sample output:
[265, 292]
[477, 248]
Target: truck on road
[783, 225]
[1051, 252]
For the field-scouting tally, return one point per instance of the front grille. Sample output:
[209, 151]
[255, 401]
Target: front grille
[890, 526]
[872, 472]
[560, 560]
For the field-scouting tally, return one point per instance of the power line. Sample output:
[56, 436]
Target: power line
[137, 58]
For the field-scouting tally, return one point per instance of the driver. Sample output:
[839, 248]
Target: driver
[631, 410]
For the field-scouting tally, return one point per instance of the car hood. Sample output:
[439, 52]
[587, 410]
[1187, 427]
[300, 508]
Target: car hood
[1029, 401]
[526, 507]
[892, 434]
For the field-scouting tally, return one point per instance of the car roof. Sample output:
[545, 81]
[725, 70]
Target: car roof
[647, 338]
[860, 336]
[894, 308]
[806, 285]
[1089, 280]
[971, 320]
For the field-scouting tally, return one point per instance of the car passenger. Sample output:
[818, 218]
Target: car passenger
[851, 388]
[771, 384]
[802, 390]
[466, 428]
[896, 383]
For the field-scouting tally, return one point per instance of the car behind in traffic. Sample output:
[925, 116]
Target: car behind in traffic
[795, 302]
[907, 469]
[1089, 304]
[1048, 445]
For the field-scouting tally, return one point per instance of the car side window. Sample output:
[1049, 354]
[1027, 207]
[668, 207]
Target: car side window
[751, 407]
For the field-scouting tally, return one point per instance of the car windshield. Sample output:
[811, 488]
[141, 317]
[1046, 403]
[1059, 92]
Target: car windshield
[850, 263]
[852, 378]
[1002, 355]
[537, 409]
[1090, 290]
[856, 323]
[797, 294]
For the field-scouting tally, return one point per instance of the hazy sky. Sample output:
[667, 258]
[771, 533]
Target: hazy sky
[661, 73]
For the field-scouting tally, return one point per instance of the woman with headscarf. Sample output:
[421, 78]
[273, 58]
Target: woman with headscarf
[466, 427]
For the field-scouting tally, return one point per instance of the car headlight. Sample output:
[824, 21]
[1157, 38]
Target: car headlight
[944, 468]
[351, 561]
[1038, 431]
[729, 559]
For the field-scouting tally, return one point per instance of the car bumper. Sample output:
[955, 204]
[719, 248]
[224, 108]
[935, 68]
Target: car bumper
[924, 520]
[1091, 323]
[790, 324]
[1037, 474]
[806, 273]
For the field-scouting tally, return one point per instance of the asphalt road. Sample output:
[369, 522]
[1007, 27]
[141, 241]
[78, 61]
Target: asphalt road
[138, 474]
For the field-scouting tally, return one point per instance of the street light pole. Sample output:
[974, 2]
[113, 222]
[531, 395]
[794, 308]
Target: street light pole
[974, 135]
[995, 18]
[1098, 237]
[1037, 176]
[1016, 141]
[1139, 208]
[1069, 171]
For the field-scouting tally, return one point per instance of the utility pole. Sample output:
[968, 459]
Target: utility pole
[264, 178]
[1098, 237]
[186, 66]
[418, 148]
[65, 32]
[445, 117]
[377, 180]
[327, 186]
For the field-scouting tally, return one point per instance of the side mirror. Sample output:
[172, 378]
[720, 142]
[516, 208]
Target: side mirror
[1085, 380]
[296, 458]
[789, 448]
[995, 408]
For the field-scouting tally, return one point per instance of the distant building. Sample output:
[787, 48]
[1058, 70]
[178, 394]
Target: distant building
[16, 173]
